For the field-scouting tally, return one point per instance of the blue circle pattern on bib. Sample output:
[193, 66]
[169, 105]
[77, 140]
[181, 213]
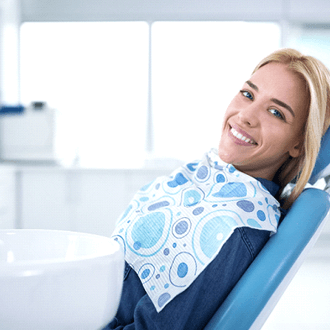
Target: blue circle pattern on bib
[175, 226]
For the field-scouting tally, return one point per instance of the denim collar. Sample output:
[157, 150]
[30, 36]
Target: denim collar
[271, 186]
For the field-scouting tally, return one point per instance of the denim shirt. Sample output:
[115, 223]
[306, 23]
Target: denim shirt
[194, 307]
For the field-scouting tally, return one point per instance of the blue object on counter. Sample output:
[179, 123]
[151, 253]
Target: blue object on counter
[11, 109]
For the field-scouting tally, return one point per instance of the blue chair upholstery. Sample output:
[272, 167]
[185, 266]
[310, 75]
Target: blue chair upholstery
[322, 165]
[256, 294]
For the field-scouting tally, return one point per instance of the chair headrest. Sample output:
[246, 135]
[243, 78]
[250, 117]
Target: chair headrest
[322, 165]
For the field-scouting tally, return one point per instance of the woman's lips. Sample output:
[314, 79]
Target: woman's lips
[241, 137]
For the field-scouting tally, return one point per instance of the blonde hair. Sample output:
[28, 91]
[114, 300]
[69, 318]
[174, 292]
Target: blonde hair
[317, 80]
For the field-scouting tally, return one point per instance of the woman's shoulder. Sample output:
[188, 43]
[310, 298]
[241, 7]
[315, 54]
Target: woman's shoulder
[253, 239]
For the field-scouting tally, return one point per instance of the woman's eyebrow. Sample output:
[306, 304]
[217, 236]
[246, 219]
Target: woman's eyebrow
[253, 86]
[284, 105]
[280, 103]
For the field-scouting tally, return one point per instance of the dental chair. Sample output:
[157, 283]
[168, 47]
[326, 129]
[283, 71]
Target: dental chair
[256, 294]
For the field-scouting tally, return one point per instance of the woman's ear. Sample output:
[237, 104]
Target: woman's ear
[296, 150]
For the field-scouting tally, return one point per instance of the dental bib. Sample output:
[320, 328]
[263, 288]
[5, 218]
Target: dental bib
[176, 225]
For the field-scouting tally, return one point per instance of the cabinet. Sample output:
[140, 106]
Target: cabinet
[7, 197]
[83, 200]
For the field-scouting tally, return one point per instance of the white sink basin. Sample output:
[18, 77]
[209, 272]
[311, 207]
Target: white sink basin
[58, 280]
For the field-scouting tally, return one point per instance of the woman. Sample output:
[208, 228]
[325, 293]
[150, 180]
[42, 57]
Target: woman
[316, 80]
[271, 134]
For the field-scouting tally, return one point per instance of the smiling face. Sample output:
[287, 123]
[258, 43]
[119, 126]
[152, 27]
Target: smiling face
[264, 123]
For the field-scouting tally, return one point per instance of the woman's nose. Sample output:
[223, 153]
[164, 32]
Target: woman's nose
[249, 115]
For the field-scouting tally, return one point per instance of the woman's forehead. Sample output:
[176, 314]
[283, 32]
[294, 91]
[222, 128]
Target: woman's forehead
[276, 80]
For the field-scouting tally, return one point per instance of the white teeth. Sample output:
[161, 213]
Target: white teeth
[242, 137]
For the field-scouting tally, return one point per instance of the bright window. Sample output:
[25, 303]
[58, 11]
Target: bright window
[311, 39]
[96, 76]
[197, 68]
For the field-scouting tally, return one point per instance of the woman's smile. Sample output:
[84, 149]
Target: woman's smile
[241, 137]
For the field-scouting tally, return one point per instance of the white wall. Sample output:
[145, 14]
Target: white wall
[151, 10]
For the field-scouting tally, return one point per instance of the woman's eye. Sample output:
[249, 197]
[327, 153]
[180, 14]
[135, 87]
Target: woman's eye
[277, 113]
[247, 94]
